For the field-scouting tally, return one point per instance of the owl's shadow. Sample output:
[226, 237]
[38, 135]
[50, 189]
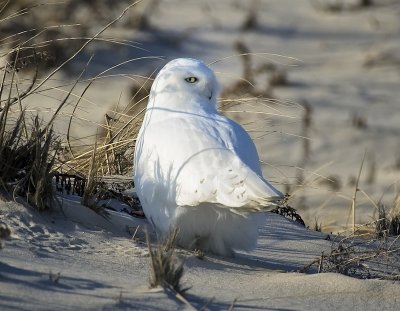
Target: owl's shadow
[284, 245]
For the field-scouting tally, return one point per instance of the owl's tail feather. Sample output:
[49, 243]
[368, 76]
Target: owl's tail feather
[262, 194]
[257, 206]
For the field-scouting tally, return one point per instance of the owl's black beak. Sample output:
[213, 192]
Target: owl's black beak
[210, 96]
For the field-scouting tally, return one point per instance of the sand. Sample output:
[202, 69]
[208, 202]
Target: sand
[80, 261]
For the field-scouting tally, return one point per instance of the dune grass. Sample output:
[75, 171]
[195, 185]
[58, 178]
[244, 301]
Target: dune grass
[27, 156]
[5, 233]
[30, 151]
[166, 270]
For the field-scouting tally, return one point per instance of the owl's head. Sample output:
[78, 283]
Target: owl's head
[184, 82]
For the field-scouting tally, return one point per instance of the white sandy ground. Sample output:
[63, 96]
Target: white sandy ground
[101, 268]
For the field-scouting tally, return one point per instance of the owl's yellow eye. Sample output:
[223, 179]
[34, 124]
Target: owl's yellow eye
[191, 79]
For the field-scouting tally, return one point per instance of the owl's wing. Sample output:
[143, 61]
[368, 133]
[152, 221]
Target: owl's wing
[218, 175]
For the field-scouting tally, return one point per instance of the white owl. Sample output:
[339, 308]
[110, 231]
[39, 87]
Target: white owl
[197, 170]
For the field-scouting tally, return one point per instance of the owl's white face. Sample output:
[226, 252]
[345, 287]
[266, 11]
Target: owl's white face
[184, 82]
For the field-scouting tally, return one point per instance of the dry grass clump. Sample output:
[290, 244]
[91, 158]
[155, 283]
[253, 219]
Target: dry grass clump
[166, 270]
[5, 233]
[26, 165]
[361, 257]
[37, 183]
[91, 190]
[30, 151]
[371, 252]
[317, 226]
[387, 224]
[27, 146]
[113, 152]
[100, 188]
[26, 156]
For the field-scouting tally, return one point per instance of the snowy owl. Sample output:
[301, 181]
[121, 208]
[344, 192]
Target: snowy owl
[195, 169]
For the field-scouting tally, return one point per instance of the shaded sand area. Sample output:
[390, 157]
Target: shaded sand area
[80, 261]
